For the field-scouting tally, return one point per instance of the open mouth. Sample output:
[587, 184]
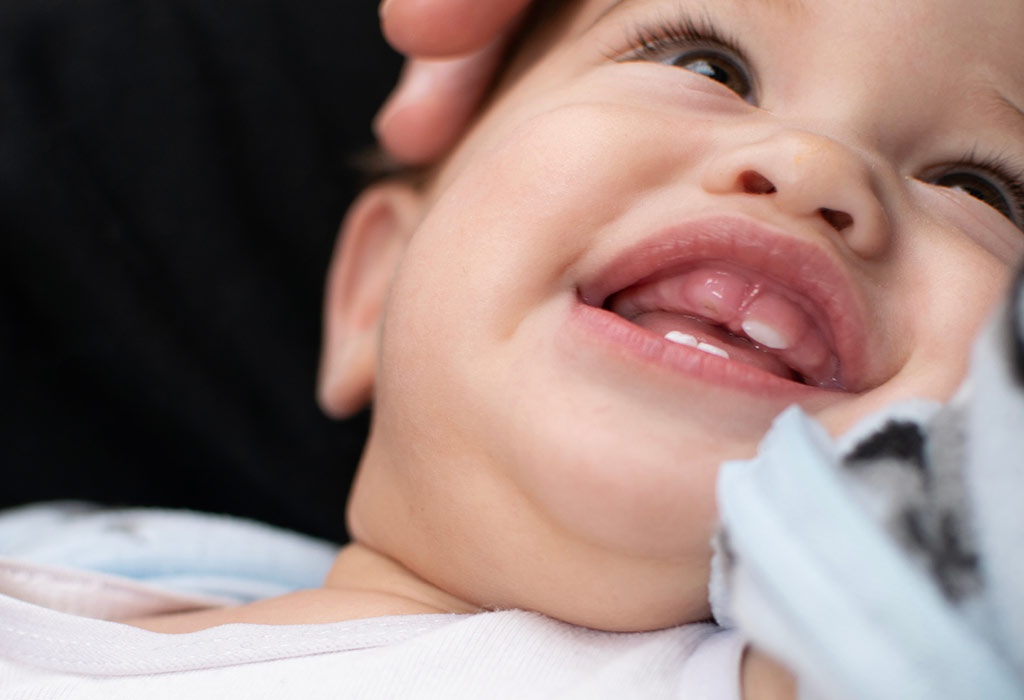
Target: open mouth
[736, 289]
[735, 314]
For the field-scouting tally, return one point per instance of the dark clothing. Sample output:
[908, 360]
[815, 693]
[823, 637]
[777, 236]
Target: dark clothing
[172, 176]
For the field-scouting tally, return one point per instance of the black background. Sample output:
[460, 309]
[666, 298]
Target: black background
[172, 176]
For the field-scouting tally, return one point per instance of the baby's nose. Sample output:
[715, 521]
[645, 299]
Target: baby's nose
[808, 176]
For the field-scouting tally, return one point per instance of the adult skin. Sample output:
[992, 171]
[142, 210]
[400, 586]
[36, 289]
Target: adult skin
[453, 47]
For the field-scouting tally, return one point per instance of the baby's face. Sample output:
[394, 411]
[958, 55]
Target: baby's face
[682, 218]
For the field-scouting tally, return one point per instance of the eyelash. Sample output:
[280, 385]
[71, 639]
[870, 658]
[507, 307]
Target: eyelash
[1009, 174]
[647, 39]
[650, 42]
[653, 42]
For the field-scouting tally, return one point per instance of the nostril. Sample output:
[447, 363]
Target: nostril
[755, 183]
[839, 220]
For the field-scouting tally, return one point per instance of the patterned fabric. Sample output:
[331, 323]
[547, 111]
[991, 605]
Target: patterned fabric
[889, 563]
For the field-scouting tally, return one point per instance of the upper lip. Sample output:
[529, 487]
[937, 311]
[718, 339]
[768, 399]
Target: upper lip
[808, 271]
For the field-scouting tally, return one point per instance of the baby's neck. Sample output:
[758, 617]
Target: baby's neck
[361, 571]
[362, 583]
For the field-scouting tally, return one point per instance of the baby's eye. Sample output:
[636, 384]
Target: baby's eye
[1000, 192]
[696, 46]
[718, 68]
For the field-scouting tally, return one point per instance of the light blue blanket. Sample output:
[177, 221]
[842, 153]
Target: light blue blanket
[889, 563]
[226, 558]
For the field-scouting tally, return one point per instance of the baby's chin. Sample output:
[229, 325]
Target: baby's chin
[527, 566]
[614, 592]
[642, 604]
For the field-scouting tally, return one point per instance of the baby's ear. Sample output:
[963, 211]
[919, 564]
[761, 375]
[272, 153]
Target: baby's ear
[370, 245]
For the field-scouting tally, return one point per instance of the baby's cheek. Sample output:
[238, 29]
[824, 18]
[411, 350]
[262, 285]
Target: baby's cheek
[581, 160]
[565, 172]
[941, 293]
[506, 227]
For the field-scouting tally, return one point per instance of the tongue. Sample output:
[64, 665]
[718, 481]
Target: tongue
[750, 318]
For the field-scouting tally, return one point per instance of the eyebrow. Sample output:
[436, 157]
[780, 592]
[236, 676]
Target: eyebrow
[1009, 110]
[785, 6]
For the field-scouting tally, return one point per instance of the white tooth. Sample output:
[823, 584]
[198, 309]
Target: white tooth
[763, 334]
[712, 350]
[681, 338]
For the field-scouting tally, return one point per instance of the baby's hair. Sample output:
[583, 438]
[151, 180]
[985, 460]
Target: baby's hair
[373, 164]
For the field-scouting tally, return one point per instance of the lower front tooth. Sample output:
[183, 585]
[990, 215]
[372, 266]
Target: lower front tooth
[681, 338]
[713, 350]
[691, 341]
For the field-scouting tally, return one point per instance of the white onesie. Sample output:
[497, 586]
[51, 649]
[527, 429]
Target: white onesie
[57, 647]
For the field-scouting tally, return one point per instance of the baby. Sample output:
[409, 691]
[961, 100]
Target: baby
[673, 220]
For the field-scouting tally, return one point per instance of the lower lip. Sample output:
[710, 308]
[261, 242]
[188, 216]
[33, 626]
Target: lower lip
[597, 328]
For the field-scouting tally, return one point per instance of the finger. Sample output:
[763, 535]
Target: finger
[437, 28]
[432, 105]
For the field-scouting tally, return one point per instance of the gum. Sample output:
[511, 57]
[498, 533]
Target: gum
[734, 300]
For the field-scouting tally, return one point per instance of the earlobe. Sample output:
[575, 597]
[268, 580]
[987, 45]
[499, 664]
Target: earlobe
[370, 245]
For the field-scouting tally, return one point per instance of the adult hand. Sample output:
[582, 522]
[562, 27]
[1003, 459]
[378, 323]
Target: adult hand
[453, 48]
